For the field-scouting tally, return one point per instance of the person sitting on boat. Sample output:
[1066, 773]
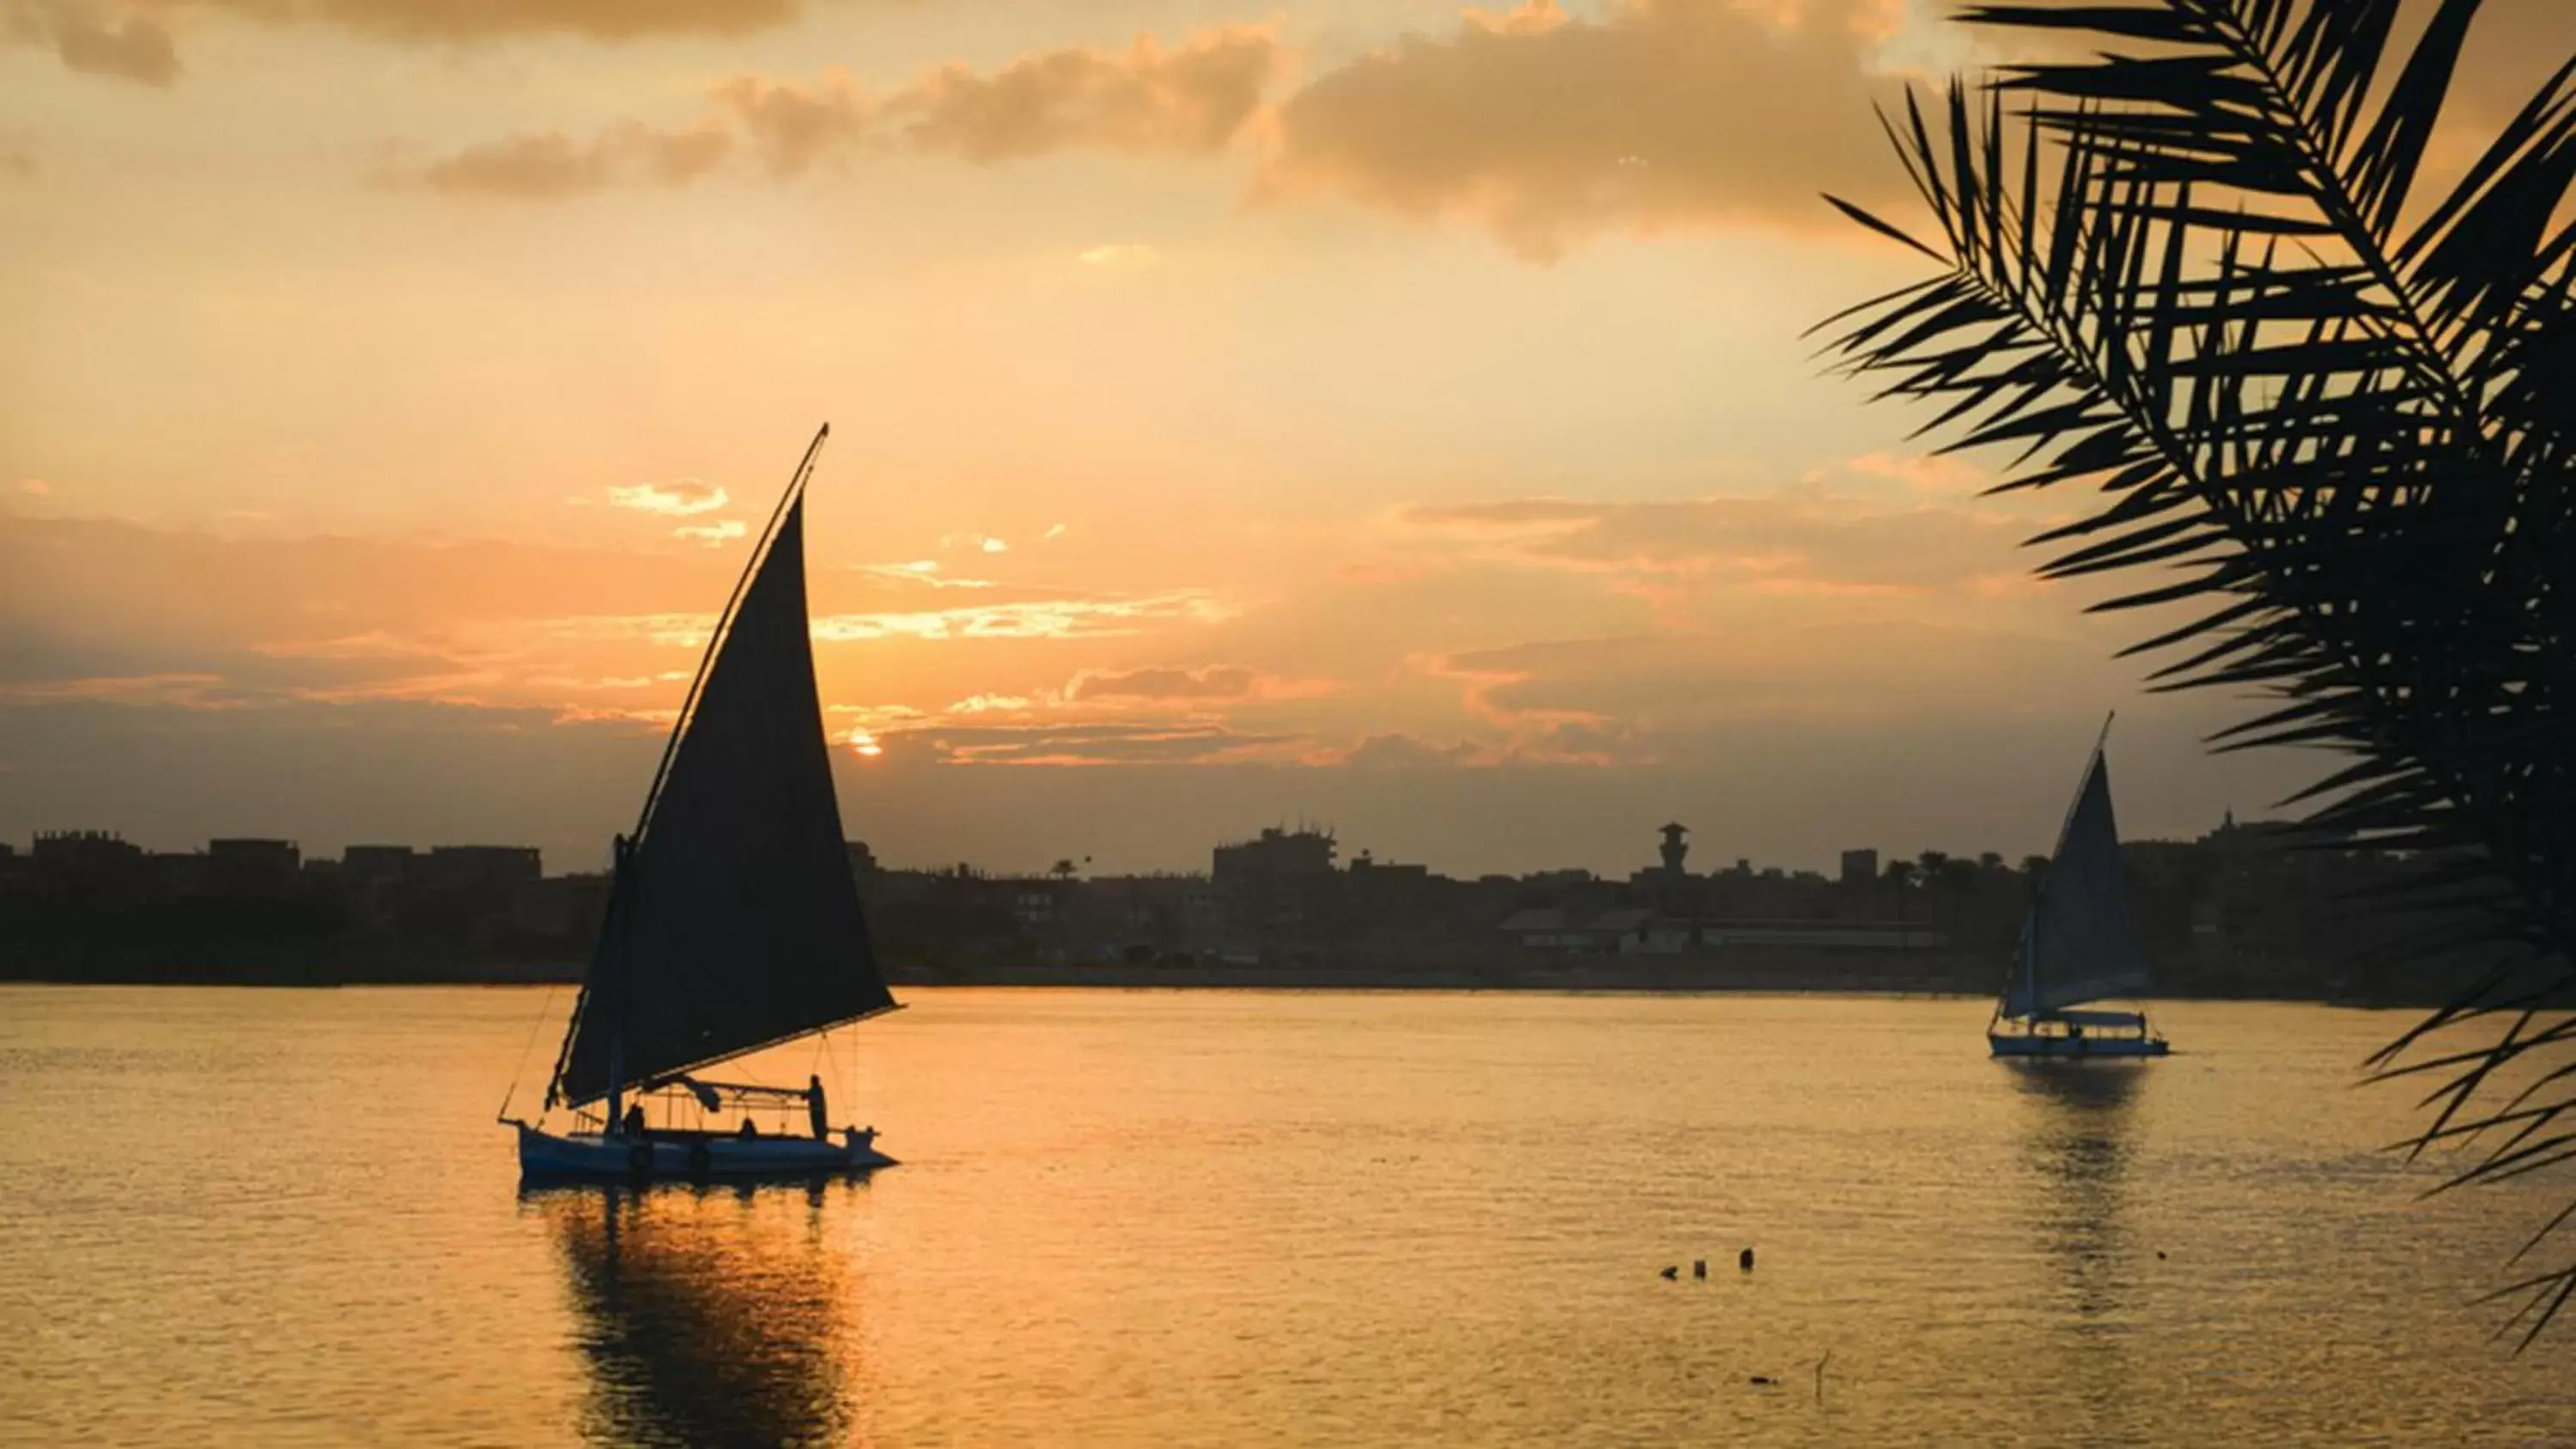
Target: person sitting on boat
[814, 1112]
[750, 1129]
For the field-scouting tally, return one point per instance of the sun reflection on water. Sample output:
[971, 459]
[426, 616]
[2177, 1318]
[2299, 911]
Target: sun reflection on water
[708, 1316]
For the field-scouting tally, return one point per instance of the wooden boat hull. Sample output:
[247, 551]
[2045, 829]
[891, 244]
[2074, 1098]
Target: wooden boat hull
[693, 1157]
[2058, 1048]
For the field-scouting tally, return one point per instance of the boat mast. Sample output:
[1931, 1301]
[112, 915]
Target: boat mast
[617, 978]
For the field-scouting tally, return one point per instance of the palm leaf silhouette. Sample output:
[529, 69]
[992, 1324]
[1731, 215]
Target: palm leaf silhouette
[2326, 412]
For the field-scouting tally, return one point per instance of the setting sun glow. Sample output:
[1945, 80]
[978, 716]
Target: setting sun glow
[460, 421]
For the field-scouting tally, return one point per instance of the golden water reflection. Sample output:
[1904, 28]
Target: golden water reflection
[1263, 1222]
[2078, 1137]
[714, 1316]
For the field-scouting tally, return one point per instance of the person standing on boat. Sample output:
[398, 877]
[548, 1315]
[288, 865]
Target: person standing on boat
[814, 1111]
[635, 1123]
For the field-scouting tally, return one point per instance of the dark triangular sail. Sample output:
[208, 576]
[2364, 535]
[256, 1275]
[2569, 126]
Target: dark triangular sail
[2078, 944]
[734, 921]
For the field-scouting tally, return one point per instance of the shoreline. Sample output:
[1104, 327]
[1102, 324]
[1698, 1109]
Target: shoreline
[1375, 981]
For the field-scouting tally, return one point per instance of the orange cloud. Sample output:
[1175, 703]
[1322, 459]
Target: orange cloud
[678, 499]
[525, 167]
[722, 530]
[1190, 99]
[792, 126]
[1207, 685]
[925, 572]
[103, 607]
[544, 166]
[94, 39]
[189, 678]
[1547, 129]
[464, 20]
[1064, 618]
[1213, 682]
[1087, 744]
[1406, 752]
[131, 40]
[1641, 689]
[1798, 539]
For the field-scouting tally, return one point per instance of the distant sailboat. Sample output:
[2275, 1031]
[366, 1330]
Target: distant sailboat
[2078, 945]
[733, 922]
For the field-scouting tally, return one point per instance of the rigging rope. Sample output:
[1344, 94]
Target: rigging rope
[544, 1008]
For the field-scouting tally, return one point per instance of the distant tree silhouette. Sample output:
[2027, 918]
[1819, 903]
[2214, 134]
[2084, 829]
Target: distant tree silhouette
[1899, 877]
[1936, 872]
[2032, 868]
[2191, 269]
[1954, 878]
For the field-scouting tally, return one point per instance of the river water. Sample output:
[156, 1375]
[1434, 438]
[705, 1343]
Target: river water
[287, 1217]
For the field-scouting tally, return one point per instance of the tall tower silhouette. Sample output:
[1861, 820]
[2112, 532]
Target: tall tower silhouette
[1674, 849]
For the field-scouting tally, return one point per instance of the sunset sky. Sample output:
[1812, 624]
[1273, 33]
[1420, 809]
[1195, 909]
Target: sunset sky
[1368, 411]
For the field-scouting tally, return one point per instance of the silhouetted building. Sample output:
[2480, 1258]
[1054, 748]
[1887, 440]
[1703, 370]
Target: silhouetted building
[1674, 849]
[1377, 894]
[373, 881]
[1038, 905]
[84, 852]
[1152, 915]
[1274, 855]
[2245, 910]
[376, 867]
[562, 908]
[496, 869]
[177, 875]
[252, 869]
[1276, 890]
[87, 863]
[1544, 928]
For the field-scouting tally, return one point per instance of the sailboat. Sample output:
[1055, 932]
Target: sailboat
[733, 922]
[2078, 945]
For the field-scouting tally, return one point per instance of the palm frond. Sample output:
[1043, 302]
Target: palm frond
[2193, 273]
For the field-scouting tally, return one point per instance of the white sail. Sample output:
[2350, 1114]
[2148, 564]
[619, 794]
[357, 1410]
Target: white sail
[2078, 944]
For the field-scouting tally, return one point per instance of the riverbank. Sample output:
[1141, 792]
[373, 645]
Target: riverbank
[1782, 972]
